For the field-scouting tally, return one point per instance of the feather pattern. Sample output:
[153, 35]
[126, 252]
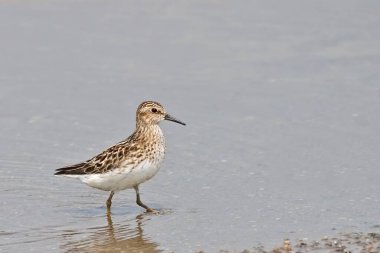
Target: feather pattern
[131, 151]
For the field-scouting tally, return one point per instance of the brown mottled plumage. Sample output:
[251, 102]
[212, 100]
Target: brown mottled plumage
[130, 162]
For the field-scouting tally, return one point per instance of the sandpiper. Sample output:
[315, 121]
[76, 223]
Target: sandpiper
[130, 162]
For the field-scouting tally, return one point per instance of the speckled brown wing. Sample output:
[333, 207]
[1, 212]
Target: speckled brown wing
[108, 160]
[76, 169]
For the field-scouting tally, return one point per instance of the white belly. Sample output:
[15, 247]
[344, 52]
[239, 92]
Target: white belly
[122, 178]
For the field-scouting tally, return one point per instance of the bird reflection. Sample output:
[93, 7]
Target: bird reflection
[111, 238]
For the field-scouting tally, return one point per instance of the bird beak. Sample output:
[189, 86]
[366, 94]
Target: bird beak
[170, 118]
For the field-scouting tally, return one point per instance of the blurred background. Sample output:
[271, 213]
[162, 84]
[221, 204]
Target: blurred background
[281, 101]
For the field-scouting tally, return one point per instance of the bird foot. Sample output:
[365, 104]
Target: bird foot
[152, 211]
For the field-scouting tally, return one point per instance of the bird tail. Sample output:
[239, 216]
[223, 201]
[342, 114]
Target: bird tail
[76, 169]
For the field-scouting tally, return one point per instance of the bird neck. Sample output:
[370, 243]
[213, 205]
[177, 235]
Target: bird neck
[153, 130]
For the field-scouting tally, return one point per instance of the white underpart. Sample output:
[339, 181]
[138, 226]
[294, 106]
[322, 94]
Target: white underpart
[121, 178]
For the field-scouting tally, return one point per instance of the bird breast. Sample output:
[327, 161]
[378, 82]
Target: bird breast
[156, 147]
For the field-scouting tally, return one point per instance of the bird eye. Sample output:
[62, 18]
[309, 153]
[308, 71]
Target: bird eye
[154, 110]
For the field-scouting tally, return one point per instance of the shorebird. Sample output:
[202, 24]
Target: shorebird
[130, 162]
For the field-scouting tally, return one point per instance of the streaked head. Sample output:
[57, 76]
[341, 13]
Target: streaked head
[151, 113]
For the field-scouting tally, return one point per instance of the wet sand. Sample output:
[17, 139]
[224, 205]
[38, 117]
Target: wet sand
[281, 101]
[345, 243]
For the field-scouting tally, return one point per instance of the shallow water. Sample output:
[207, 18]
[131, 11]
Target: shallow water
[281, 101]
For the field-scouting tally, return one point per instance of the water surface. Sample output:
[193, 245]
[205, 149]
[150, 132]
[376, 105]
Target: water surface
[281, 101]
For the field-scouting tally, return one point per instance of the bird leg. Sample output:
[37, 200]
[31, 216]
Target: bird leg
[109, 201]
[138, 200]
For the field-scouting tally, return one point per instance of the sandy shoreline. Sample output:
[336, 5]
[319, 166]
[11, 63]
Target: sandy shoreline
[345, 243]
